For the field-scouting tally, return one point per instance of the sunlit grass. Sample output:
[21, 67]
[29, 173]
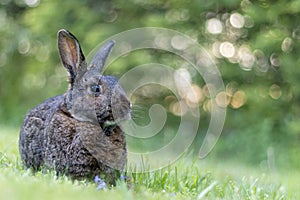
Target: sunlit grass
[184, 180]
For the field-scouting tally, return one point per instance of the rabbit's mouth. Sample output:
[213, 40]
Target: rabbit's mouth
[108, 126]
[106, 122]
[110, 120]
[109, 123]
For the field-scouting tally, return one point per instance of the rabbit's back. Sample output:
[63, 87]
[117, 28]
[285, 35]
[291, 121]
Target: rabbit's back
[32, 135]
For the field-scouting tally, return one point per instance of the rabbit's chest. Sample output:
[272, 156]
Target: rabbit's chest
[70, 141]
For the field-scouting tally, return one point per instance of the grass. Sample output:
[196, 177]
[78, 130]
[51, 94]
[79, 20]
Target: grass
[184, 180]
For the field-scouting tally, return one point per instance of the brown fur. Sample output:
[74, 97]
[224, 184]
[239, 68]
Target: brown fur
[77, 133]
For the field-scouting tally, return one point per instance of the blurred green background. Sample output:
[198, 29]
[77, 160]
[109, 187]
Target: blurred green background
[255, 44]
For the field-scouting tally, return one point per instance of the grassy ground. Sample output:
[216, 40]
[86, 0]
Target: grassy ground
[183, 180]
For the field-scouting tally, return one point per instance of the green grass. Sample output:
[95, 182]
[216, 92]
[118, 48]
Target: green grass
[184, 180]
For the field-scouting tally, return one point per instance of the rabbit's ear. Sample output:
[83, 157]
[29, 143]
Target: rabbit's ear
[71, 54]
[100, 57]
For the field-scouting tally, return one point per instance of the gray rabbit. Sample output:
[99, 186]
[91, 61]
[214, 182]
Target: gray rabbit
[77, 133]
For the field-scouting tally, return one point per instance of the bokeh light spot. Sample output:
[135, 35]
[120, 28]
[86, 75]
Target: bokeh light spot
[275, 91]
[194, 96]
[24, 47]
[287, 44]
[214, 26]
[207, 106]
[274, 60]
[215, 48]
[296, 33]
[261, 61]
[178, 108]
[248, 22]
[182, 80]
[239, 98]
[227, 49]
[222, 99]
[32, 3]
[237, 20]
[231, 88]
[246, 58]
[178, 42]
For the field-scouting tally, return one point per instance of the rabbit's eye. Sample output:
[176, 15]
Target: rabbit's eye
[96, 89]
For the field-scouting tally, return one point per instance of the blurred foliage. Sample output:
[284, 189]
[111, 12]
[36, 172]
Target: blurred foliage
[256, 45]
